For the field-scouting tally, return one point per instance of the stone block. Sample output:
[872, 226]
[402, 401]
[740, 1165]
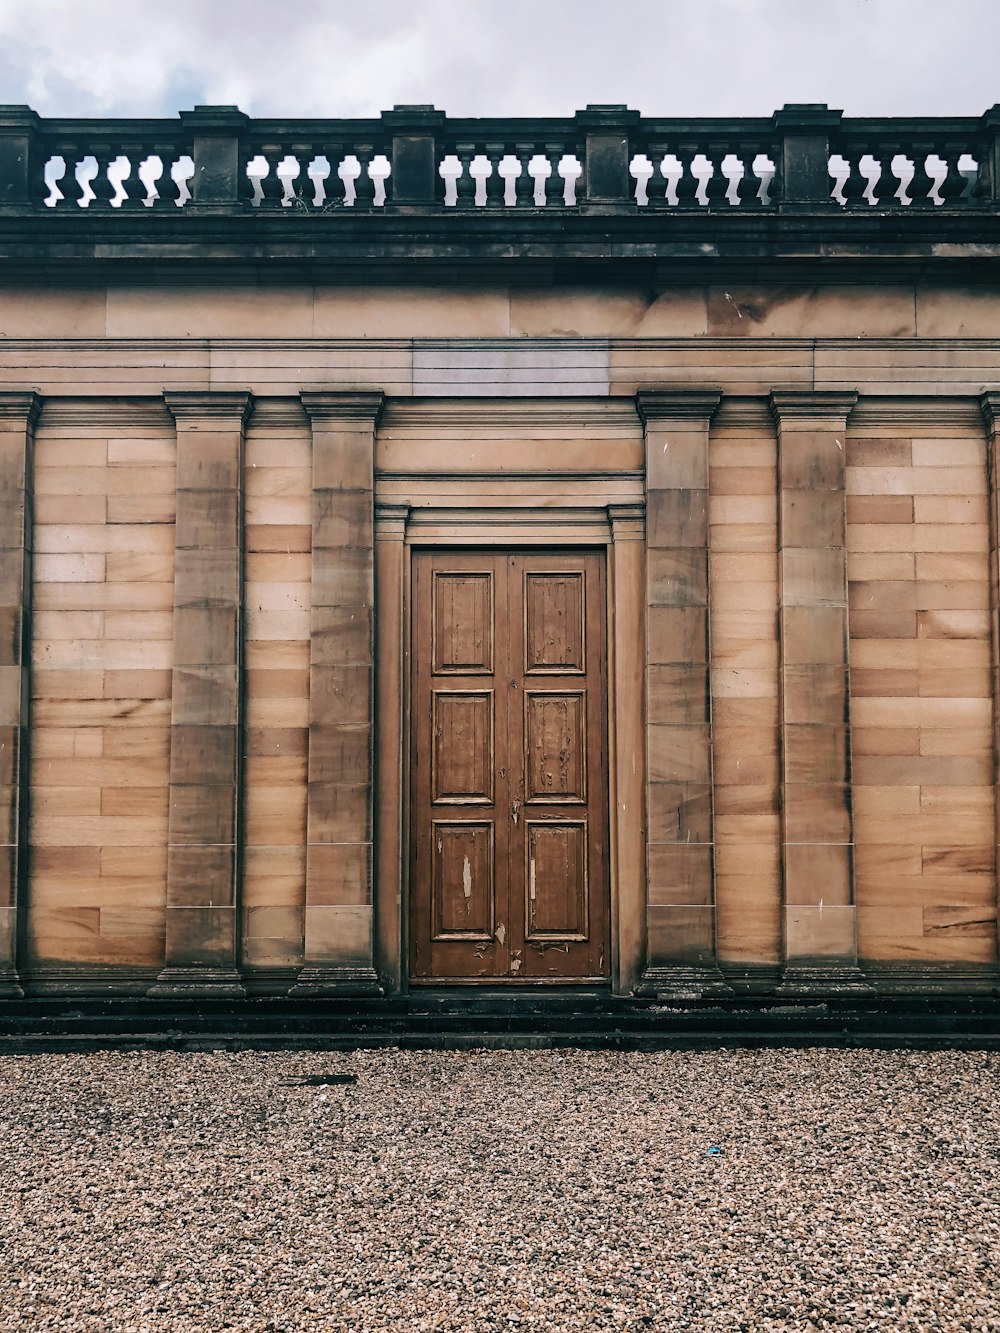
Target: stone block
[813, 518]
[679, 812]
[338, 812]
[339, 874]
[201, 936]
[676, 635]
[341, 635]
[338, 935]
[676, 577]
[818, 872]
[677, 518]
[679, 875]
[819, 933]
[341, 695]
[678, 754]
[680, 934]
[677, 695]
[200, 813]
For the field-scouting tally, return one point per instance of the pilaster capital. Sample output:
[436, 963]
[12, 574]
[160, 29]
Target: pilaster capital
[669, 405]
[808, 409]
[390, 521]
[19, 407]
[628, 522]
[348, 407]
[191, 405]
[989, 406]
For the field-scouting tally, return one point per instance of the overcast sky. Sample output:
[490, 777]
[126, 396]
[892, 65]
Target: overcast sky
[500, 57]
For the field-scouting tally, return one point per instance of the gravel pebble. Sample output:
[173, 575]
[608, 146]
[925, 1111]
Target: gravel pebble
[499, 1190]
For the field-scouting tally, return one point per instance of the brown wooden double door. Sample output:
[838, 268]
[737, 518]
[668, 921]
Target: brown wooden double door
[508, 783]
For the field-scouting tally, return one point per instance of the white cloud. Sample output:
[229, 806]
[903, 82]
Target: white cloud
[499, 57]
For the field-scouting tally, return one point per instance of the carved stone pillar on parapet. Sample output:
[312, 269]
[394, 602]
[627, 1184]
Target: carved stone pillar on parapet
[819, 926]
[680, 914]
[18, 414]
[339, 946]
[204, 825]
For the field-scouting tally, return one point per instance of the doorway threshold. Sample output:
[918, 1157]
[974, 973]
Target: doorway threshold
[516, 1000]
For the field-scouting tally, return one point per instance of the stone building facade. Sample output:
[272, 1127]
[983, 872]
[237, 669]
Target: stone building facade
[498, 552]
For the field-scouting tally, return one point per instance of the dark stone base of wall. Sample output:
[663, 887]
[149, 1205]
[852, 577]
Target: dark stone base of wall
[685, 987]
[466, 1019]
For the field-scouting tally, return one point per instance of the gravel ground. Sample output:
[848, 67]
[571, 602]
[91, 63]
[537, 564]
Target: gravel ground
[490, 1190]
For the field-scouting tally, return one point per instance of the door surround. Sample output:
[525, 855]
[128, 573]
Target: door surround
[508, 778]
[579, 520]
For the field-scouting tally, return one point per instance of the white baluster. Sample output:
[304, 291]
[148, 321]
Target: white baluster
[86, 171]
[150, 171]
[540, 169]
[181, 173]
[349, 171]
[570, 169]
[379, 171]
[481, 169]
[509, 169]
[641, 171]
[319, 173]
[449, 171]
[258, 169]
[55, 170]
[118, 172]
[288, 170]
[671, 169]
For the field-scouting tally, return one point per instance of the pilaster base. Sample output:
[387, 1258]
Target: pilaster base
[321, 979]
[683, 982]
[809, 979]
[197, 983]
[10, 985]
[753, 979]
[892, 978]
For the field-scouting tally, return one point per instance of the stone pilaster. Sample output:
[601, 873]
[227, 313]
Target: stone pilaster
[989, 403]
[339, 948]
[819, 927]
[681, 956]
[627, 743]
[18, 413]
[391, 690]
[204, 828]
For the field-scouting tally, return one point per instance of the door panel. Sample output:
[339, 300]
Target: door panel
[556, 876]
[462, 724]
[463, 623]
[463, 866]
[554, 622]
[556, 745]
[508, 718]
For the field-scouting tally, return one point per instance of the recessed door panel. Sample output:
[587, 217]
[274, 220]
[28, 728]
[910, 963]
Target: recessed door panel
[556, 745]
[557, 882]
[554, 622]
[508, 775]
[462, 902]
[463, 623]
[463, 746]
